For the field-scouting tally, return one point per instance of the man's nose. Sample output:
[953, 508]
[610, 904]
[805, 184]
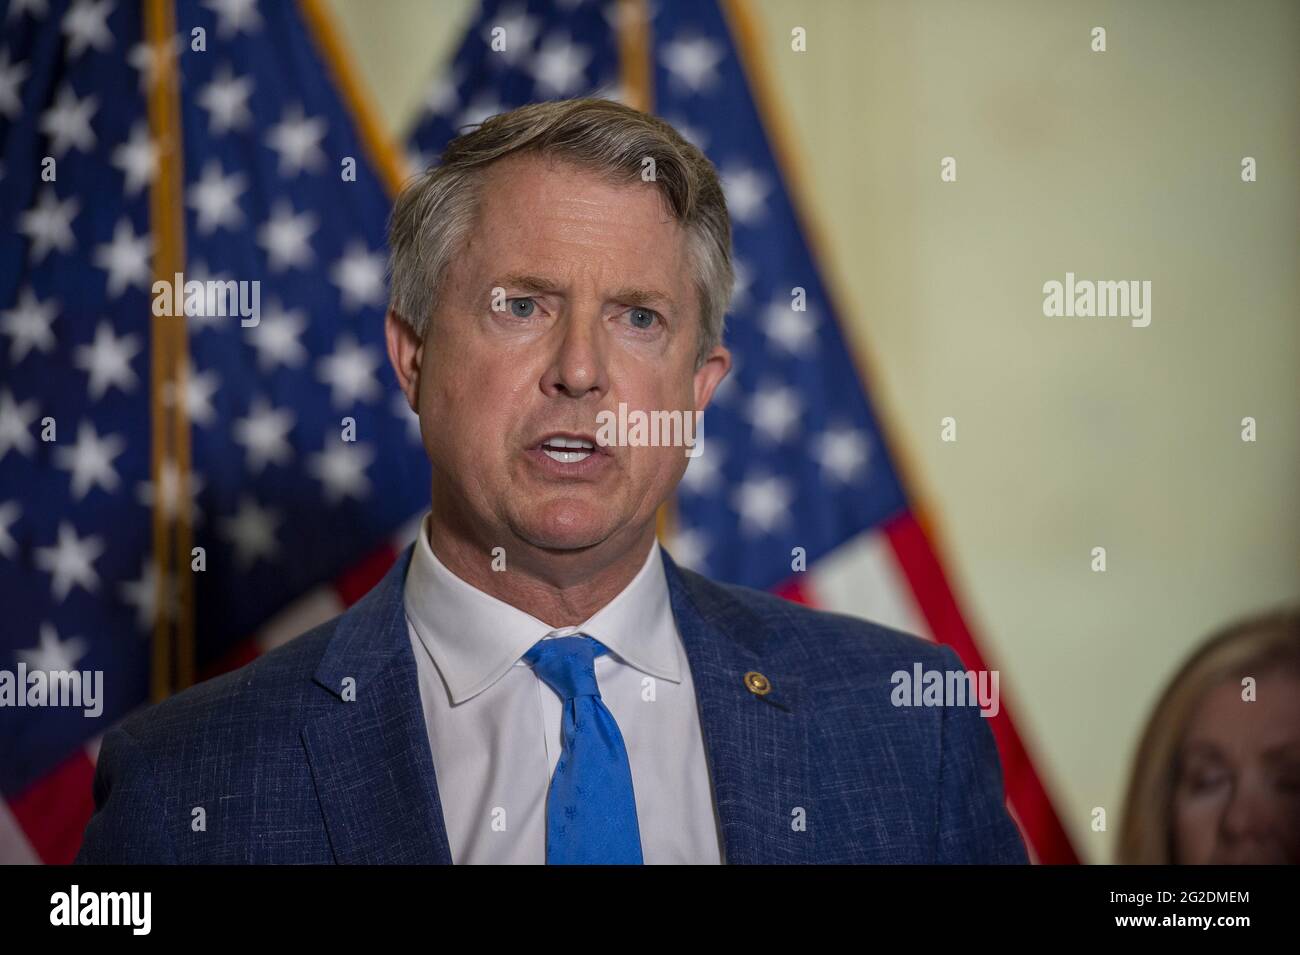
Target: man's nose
[577, 367]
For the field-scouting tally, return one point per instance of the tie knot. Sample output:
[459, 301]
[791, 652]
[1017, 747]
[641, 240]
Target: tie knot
[567, 664]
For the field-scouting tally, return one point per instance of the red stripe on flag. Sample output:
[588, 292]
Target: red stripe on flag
[795, 589]
[53, 813]
[1032, 804]
[357, 580]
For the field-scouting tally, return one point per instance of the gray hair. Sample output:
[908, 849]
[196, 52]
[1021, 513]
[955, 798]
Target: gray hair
[435, 211]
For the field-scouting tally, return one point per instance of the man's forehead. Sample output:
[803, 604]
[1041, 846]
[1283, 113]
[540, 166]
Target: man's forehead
[511, 248]
[546, 184]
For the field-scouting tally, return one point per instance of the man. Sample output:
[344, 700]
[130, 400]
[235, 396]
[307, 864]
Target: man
[536, 680]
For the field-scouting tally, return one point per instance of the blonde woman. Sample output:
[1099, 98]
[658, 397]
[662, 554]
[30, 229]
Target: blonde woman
[1216, 778]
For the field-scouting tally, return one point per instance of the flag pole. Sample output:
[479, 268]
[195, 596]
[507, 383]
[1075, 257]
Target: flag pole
[173, 637]
[384, 155]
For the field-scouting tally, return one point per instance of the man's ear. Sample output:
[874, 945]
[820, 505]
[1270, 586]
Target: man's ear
[709, 375]
[405, 353]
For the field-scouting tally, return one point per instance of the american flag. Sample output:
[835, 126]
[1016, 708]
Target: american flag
[296, 522]
[279, 501]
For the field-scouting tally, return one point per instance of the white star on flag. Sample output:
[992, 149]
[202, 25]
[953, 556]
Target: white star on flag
[70, 562]
[747, 191]
[11, 79]
[53, 655]
[226, 100]
[762, 504]
[49, 224]
[519, 30]
[235, 16]
[107, 360]
[264, 435]
[28, 325]
[693, 62]
[297, 140]
[137, 158]
[125, 258]
[90, 460]
[796, 332]
[558, 67]
[215, 197]
[341, 468]
[350, 372]
[252, 533]
[86, 26]
[285, 237]
[774, 411]
[842, 451]
[67, 123]
[359, 274]
[275, 337]
[15, 421]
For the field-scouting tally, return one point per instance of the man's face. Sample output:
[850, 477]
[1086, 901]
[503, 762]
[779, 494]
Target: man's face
[597, 307]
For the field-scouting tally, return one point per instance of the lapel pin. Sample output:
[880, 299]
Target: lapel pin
[757, 684]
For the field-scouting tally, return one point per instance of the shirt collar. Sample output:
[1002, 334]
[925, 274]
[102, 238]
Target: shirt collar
[474, 638]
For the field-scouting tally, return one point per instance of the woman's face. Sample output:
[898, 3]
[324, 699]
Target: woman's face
[1237, 793]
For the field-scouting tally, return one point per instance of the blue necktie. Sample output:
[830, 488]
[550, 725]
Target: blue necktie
[590, 809]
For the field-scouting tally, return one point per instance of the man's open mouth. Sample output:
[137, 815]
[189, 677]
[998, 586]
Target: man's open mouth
[568, 450]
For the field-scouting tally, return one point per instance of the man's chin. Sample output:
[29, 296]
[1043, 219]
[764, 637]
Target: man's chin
[566, 526]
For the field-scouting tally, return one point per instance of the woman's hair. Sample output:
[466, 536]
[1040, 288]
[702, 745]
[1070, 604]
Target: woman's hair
[1263, 644]
[435, 211]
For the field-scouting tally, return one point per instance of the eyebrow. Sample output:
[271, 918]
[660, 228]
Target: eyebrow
[1200, 749]
[630, 294]
[1283, 752]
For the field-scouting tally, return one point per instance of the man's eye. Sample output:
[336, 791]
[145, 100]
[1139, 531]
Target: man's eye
[522, 307]
[643, 318]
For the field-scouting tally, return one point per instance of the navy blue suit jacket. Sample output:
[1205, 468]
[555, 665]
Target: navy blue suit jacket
[821, 769]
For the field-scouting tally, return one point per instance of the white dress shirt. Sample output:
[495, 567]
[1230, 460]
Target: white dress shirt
[494, 726]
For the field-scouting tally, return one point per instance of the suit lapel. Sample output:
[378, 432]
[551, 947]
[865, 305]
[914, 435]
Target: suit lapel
[374, 773]
[757, 746]
[369, 755]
